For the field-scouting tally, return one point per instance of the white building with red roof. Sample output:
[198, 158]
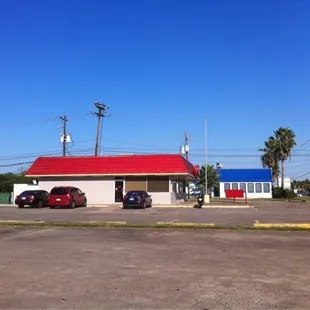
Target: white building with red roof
[106, 179]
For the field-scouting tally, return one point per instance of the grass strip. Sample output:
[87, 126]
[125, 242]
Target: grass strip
[175, 225]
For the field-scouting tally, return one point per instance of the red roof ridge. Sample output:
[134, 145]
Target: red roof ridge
[173, 164]
[113, 156]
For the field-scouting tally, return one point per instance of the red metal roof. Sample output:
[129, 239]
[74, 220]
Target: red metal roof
[159, 164]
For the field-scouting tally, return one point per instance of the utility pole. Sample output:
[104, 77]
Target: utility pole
[64, 141]
[101, 113]
[187, 137]
[185, 150]
[186, 146]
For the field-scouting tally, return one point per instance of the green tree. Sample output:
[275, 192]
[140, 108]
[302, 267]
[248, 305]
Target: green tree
[7, 181]
[212, 177]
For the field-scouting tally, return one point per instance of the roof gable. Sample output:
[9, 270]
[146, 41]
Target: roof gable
[111, 165]
[245, 175]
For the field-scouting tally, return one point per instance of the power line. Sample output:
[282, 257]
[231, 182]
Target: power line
[301, 148]
[139, 150]
[134, 143]
[301, 176]
[30, 124]
[17, 164]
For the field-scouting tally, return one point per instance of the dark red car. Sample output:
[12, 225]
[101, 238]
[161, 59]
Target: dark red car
[32, 198]
[67, 196]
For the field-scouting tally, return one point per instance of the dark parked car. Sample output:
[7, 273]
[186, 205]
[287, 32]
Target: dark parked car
[137, 199]
[32, 198]
[67, 196]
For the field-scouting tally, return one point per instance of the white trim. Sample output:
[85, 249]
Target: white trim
[250, 195]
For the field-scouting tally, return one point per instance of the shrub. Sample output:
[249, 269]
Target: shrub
[278, 192]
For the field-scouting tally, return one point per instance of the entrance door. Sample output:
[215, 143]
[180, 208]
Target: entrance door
[119, 187]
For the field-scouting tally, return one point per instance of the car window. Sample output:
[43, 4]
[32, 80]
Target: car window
[79, 191]
[59, 191]
[134, 194]
[28, 193]
[75, 191]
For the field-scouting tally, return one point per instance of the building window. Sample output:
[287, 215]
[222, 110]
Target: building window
[258, 187]
[243, 187]
[266, 188]
[250, 187]
[135, 183]
[181, 187]
[234, 186]
[158, 184]
[226, 186]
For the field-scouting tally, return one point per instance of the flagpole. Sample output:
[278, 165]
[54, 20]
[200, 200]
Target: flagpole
[206, 197]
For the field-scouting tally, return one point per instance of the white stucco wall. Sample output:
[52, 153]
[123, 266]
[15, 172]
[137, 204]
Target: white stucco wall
[249, 195]
[97, 190]
[101, 191]
[160, 198]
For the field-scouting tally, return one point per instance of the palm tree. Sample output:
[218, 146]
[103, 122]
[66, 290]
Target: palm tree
[285, 141]
[278, 148]
[212, 177]
[269, 157]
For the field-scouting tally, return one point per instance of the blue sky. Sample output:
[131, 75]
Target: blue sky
[161, 65]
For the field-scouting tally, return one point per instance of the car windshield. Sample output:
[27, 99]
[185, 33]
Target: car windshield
[59, 191]
[134, 194]
[29, 193]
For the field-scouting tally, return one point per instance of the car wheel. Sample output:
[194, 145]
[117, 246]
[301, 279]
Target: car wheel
[20, 206]
[40, 204]
[144, 205]
[73, 205]
[85, 203]
[51, 207]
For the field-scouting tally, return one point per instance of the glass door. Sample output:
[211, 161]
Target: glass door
[119, 191]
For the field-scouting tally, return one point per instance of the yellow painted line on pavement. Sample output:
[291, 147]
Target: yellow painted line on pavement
[280, 225]
[176, 224]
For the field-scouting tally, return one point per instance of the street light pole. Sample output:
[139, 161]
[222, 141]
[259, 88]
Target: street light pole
[206, 197]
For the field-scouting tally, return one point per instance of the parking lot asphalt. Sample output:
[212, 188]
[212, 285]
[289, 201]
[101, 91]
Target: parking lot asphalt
[264, 213]
[153, 269]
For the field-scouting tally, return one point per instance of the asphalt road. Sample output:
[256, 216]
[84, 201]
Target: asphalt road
[272, 213]
[153, 269]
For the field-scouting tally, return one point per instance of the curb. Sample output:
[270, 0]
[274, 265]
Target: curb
[168, 225]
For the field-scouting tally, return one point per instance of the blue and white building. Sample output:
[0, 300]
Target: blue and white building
[256, 182]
